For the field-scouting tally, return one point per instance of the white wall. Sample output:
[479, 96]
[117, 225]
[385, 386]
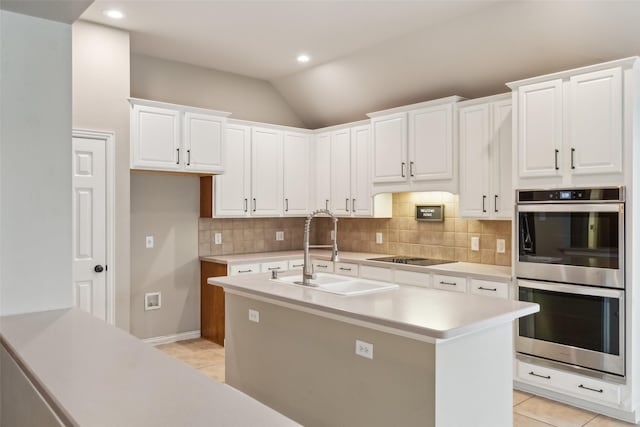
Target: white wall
[100, 92]
[35, 164]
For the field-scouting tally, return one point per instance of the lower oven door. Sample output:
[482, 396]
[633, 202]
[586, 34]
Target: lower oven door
[578, 325]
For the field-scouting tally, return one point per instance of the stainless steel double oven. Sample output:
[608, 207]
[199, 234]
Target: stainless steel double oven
[570, 260]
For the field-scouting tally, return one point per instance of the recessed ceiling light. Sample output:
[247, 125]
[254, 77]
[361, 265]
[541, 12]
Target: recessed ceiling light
[113, 13]
[303, 58]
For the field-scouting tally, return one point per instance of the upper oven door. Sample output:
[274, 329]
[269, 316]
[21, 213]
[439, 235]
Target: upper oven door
[573, 243]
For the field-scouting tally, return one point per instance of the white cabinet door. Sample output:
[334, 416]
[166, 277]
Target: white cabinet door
[266, 172]
[155, 138]
[389, 134]
[232, 189]
[502, 188]
[540, 129]
[322, 151]
[361, 200]
[431, 143]
[341, 172]
[473, 134]
[296, 173]
[203, 143]
[595, 122]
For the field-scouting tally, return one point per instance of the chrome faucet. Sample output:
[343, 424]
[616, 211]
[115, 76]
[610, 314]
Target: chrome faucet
[307, 269]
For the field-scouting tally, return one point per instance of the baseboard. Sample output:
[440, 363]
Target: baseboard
[166, 339]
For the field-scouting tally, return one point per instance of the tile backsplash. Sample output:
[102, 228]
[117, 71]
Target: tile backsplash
[401, 234]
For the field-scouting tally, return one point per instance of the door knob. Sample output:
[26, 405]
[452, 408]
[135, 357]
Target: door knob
[98, 269]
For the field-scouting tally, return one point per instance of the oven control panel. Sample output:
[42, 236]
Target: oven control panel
[610, 194]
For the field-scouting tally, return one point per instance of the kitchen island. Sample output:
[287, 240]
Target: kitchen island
[427, 357]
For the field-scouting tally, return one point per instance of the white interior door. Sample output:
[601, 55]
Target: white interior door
[90, 225]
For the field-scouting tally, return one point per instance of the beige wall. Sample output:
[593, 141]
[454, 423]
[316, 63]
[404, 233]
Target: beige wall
[165, 207]
[100, 92]
[245, 97]
[35, 164]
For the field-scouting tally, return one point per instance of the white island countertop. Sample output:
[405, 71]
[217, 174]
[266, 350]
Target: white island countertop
[93, 374]
[426, 314]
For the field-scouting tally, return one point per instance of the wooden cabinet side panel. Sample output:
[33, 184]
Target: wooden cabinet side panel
[212, 303]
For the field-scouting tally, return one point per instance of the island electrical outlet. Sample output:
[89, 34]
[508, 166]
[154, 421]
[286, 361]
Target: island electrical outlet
[364, 349]
[254, 316]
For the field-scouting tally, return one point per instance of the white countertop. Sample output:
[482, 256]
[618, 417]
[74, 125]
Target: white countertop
[481, 271]
[426, 312]
[98, 375]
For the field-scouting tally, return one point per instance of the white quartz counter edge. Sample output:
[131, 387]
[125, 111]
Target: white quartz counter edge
[97, 375]
[429, 313]
[469, 269]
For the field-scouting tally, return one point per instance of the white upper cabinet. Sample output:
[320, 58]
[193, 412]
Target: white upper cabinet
[594, 122]
[322, 176]
[573, 126]
[266, 172]
[296, 173]
[176, 138]
[361, 200]
[233, 189]
[414, 148]
[203, 142]
[341, 172]
[484, 134]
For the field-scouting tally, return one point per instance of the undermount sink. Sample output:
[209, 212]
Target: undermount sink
[336, 284]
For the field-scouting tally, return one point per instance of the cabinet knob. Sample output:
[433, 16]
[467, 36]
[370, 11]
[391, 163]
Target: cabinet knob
[98, 268]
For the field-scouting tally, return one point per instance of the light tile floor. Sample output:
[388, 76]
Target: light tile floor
[528, 410]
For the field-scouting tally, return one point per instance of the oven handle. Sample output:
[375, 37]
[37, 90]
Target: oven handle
[574, 207]
[571, 289]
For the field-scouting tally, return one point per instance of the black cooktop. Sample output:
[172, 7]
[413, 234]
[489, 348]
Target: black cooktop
[411, 260]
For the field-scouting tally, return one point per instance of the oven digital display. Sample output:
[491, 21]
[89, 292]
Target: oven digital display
[565, 195]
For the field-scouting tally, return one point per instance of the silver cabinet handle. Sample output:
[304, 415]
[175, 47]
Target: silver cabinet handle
[254, 204]
[188, 157]
[178, 160]
[483, 200]
[322, 265]
[573, 152]
[488, 289]
[346, 204]
[353, 205]
[345, 269]
[557, 167]
[597, 390]
[326, 204]
[297, 265]
[495, 203]
[286, 205]
[411, 169]
[273, 268]
[402, 168]
[245, 271]
[246, 204]
[546, 377]
[448, 283]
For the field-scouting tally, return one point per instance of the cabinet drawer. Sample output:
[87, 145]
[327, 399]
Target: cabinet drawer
[566, 382]
[244, 269]
[346, 268]
[322, 266]
[450, 283]
[376, 273]
[413, 278]
[266, 267]
[492, 289]
[296, 264]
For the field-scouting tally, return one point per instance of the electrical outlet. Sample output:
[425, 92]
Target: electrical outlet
[254, 315]
[217, 238]
[500, 246]
[152, 301]
[149, 242]
[333, 235]
[379, 238]
[279, 235]
[364, 349]
[475, 243]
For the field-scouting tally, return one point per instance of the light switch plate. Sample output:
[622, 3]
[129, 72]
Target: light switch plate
[379, 238]
[254, 315]
[500, 246]
[279, 235]
[217, 238]
[364, 349]
[149, 242]
[475, 243]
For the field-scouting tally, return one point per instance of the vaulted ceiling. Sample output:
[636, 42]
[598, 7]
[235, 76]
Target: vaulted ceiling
[372, 55]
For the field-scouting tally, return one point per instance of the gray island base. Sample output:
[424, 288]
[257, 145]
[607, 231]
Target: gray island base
[428, 368]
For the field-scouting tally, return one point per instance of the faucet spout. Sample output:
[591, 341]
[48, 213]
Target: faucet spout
[307, 270]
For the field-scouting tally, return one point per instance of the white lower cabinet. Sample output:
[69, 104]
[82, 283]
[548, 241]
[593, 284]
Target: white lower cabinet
[346, 268]
[320, 266]
[376, 273]
[244, 269]
[450, 283]
[565, 382]
[414, 278]
[266, 267]
[296, 264]
[489, 288]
